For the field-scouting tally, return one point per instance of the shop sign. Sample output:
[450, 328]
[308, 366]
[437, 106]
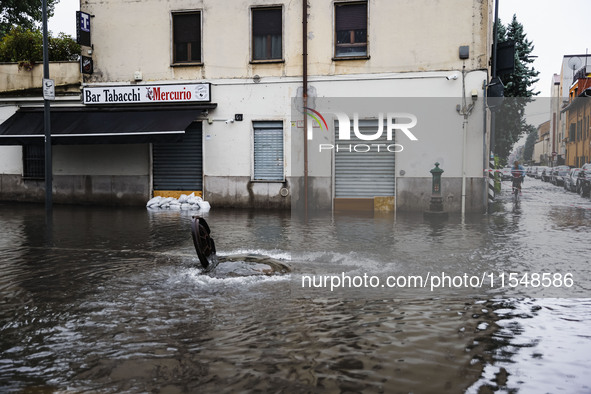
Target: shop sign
[147, 94]
[83, 28]
[86, 65]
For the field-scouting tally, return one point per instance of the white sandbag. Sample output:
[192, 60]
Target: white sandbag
[165, 202]
[193, 200]
[154, 201]
[204, 206]
[183, 202]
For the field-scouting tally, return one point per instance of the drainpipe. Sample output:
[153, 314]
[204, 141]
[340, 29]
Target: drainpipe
[305, 97]
[465, 113]
[464, 110]
[465, 135]
[485, 151]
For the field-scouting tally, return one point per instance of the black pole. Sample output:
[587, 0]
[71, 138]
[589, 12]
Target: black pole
[494, 74]
[495, 40]
[46, 119]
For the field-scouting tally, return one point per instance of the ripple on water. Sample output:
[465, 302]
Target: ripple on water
[113, 301]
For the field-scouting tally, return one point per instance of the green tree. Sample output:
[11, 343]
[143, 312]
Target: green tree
[24, 13]
[510, 122]
[520, 82]
[530, 142]
[62, 48]
[26, 47]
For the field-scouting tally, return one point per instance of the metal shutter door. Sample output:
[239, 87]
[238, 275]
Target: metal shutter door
[364, 174]
[179, 165]
[268, 151]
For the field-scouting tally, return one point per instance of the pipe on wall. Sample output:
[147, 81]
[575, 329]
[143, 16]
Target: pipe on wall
[305, 96]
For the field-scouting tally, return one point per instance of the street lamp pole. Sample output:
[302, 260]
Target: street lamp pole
[46, 118]
[494, 73]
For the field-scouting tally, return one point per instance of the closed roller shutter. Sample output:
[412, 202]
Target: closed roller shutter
[364, 174]
[179, 165]
[268, 151]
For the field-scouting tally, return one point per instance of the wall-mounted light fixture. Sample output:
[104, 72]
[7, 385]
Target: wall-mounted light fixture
[226, 121]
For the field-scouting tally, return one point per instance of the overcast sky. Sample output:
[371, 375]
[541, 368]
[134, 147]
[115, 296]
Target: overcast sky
[555, 27]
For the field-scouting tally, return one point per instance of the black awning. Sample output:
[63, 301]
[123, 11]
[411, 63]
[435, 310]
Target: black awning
[100, 125]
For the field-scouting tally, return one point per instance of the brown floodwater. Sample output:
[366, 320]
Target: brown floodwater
[113, 300]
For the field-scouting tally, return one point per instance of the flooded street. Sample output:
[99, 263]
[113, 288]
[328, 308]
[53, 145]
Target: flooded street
[113, 300]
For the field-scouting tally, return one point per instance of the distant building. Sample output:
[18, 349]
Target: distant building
[555, 137]
[571, 68]
[542, 153]
[577, 119]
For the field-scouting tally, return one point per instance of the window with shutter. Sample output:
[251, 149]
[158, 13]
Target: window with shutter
[268, 151]
[351, 30]
[267, 34]
[186, 36]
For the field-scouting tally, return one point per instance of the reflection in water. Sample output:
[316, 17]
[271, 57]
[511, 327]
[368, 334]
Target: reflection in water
[113, 300]
[541, 346]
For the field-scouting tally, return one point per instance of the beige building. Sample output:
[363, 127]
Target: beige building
[561, 86]
[577, 115]
[218, 78]
[542, 153]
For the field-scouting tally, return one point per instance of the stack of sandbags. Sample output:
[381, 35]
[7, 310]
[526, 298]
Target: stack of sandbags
[183, 202]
